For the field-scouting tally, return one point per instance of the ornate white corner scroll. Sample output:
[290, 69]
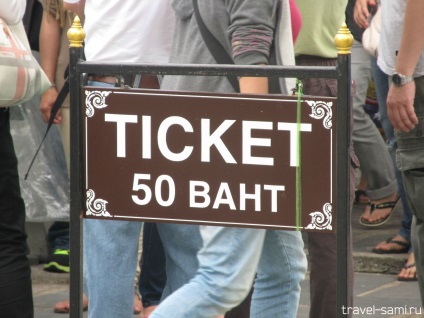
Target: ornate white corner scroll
[322, 110]
[96, 207]
[95, 99]
[321, 220]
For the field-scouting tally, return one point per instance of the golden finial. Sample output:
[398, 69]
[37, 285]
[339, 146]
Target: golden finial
[343, 40]
[76, 33]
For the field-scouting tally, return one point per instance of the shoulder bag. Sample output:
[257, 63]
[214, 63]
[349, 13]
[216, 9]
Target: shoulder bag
[371, 35]
[21, 77]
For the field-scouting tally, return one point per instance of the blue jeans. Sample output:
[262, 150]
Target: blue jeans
[181, 243]
[228, 262]
[381, 81]
[110, 260]
[58, 235]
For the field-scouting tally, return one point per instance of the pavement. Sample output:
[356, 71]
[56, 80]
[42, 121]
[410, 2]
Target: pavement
[377, 291]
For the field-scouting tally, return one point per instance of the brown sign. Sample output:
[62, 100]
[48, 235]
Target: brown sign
[208, 159]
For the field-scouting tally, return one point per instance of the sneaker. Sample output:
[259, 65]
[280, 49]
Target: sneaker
[58, 262]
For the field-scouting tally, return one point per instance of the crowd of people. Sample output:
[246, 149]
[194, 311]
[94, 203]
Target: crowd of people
[176, 270]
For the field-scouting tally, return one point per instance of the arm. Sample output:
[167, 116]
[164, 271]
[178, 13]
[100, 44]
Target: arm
[49, 52]
[252, 30]
[76, 6]
[400, 100]
[12, 11]
[361, 12]
[253, 85]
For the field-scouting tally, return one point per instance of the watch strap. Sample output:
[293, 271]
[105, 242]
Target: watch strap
[400, 79]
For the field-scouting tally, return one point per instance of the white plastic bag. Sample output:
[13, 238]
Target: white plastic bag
[46, 190]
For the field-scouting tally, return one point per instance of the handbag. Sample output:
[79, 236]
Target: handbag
[371, 35]
[21, 77]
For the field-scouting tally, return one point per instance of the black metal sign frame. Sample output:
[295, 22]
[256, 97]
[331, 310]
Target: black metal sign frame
[78, 70]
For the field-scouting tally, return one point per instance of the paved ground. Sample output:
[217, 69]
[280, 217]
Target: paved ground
[376, 289]
[377, 293]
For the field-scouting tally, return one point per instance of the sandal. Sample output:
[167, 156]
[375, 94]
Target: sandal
[405, 247]
[384, 205]
[408, 279]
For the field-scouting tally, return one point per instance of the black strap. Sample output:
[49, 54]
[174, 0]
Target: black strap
[218, 52]
[57, 104]
[26, 20]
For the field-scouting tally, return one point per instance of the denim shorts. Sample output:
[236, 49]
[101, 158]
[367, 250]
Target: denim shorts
[410, 152]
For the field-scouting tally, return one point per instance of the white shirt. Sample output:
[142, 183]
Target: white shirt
[12, 11]
[136, 31]
[393, 14]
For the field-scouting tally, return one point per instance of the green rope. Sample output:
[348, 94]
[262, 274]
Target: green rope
[298, 158]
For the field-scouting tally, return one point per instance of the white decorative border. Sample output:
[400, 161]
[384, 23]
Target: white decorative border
[95, 99]
[96, 207]
[320, 110]
[321, 220]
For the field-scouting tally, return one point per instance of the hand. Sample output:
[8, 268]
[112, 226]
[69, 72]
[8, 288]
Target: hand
[46, 105]
[400, 107]
[361, 12]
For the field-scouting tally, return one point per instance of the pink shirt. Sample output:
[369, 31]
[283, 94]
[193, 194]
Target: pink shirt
[296, 19]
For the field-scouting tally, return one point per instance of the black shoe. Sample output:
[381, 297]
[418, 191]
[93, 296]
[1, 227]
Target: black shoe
[58, 262]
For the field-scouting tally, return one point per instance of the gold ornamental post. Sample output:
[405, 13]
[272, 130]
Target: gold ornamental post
[76, 36]
[343, 40]
[76, 33]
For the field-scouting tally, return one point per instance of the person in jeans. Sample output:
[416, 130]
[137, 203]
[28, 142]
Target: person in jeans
[401, 242]
[113, 244]
[54, 53]
[15, 272]
[141, 34]
[231, 259]
[54, 49]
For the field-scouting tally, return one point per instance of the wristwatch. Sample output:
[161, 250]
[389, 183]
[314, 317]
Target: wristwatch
[400, 80]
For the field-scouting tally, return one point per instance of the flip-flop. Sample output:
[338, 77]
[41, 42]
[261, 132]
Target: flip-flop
[384, 205]
[409, 279]
[404, 249]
